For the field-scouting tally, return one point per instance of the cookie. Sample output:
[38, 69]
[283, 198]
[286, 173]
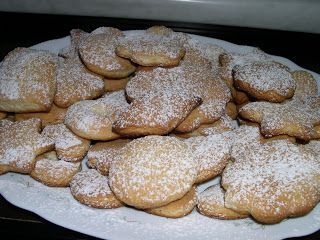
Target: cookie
[188, 79]
[97, 52]
[101, 154]
[178, 208]
[224, 124]
[211, 204]
[273, 182]
[161, 30]
[20, 143]
[76, 83]
[212, 154]
[92, 119]
[53, 172]
[76, 36]
[91, 188]
[68, 146]
[3, 115]
[155, 114]
[306, 84]
[153, 171]
[297, 118]
[54, 116]
[149, 49]
[230, 60]
[264, 81]
[111, 85]
[28, 81]
[209, 51]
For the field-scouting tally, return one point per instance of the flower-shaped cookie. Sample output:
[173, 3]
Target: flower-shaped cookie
[298, 118]
[272, 182]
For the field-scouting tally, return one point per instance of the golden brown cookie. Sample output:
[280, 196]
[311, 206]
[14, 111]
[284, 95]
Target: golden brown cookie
[191, 79]
[28, 81]
[152, 49]
[69, 147]
[92, 119]
[178, 208]
[211, 204]
[91, 188]
[76, 36]
[3, 115]
[101, 154]
[272, 182]
[75, 83]
[53, 172]
[264, 81]
[306, 84]
[230, 60]
[20, 143]
[97, 52]
[212, 154]
[54, 116]
[224, 124]
[155, 114]
[111, 85]
[153, 171]
[297, 118]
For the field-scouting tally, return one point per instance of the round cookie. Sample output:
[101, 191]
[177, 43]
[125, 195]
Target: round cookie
[75, 83]
[149, 49]
[28, 81]
[153, 171]
[264, 81]
[178, 208]
[212, 154]
[92, 119]
[97, 51]
[20, 143]
[54, 116]
[91, 188]
[211, 204]
[272, 182]
[53, 172]
[101, 154]
[69, 147]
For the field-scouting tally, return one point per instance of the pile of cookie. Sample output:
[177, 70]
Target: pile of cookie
[157, 113]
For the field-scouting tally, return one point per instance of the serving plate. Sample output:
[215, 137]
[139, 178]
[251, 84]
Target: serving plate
[58, 206]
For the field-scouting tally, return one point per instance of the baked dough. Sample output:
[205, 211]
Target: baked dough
[69, 147]
[91, 188]
[153, 171]
[211, 204]
[53, 172]
[178, 208]
[92, 119]
[101, 154]
[20, 143]
[27, 81]
[54, 116]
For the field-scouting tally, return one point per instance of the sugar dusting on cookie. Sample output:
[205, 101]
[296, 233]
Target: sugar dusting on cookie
[90, 183]
[153, 171]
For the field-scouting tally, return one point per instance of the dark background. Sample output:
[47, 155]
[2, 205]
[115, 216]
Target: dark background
[25, 30]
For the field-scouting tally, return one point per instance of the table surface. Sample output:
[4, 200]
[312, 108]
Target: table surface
[25, 30]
